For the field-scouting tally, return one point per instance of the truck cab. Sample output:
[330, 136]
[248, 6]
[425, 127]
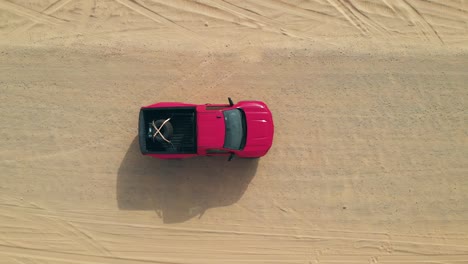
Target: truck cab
[244, 129]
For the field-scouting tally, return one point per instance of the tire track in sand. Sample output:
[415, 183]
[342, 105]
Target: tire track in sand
[81, 237]
[51, 255]
[59, 226]
[83, 258]
[88, 8]
[52, 8]
[436, 258]
[248, 235]
[312, 235]
[457, 5]
[158, 18]
[263, 22]
[77, 218]
[31, 14]
[426, 26]
[412, 15]
[207, 10]
[363, 18]
[20, 260]
[231, 13]
[266, 23]
[306, 13]
[350, 16]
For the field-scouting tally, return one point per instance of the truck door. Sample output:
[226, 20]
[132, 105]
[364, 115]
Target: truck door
[217, 152]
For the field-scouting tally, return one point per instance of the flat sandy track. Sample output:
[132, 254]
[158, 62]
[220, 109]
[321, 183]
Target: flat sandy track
[370, 156]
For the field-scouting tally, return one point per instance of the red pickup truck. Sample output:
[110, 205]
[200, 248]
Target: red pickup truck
[175, 130]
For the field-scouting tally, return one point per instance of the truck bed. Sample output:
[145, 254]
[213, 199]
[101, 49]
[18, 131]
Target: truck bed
[183, 140]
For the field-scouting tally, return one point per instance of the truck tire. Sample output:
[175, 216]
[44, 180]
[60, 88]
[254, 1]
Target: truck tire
[167, 130]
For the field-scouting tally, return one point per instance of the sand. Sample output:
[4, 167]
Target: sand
[368, 165]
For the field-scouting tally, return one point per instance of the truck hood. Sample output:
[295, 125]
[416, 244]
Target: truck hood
[259, 126]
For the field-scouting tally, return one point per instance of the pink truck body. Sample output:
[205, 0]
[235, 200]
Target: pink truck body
[244, 129]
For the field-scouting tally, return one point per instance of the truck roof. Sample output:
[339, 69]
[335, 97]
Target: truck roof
[211, 129]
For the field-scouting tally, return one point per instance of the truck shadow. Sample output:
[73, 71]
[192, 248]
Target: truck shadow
[178, 190]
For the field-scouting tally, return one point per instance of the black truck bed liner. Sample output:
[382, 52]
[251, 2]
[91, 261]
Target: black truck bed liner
[184, 138]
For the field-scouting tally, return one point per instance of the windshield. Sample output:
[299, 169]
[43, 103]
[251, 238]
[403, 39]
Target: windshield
[235, 129]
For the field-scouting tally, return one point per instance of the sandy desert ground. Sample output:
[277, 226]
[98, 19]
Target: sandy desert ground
[370, 156]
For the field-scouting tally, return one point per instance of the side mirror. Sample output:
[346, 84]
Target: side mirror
[231, 103]
[231, 156]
